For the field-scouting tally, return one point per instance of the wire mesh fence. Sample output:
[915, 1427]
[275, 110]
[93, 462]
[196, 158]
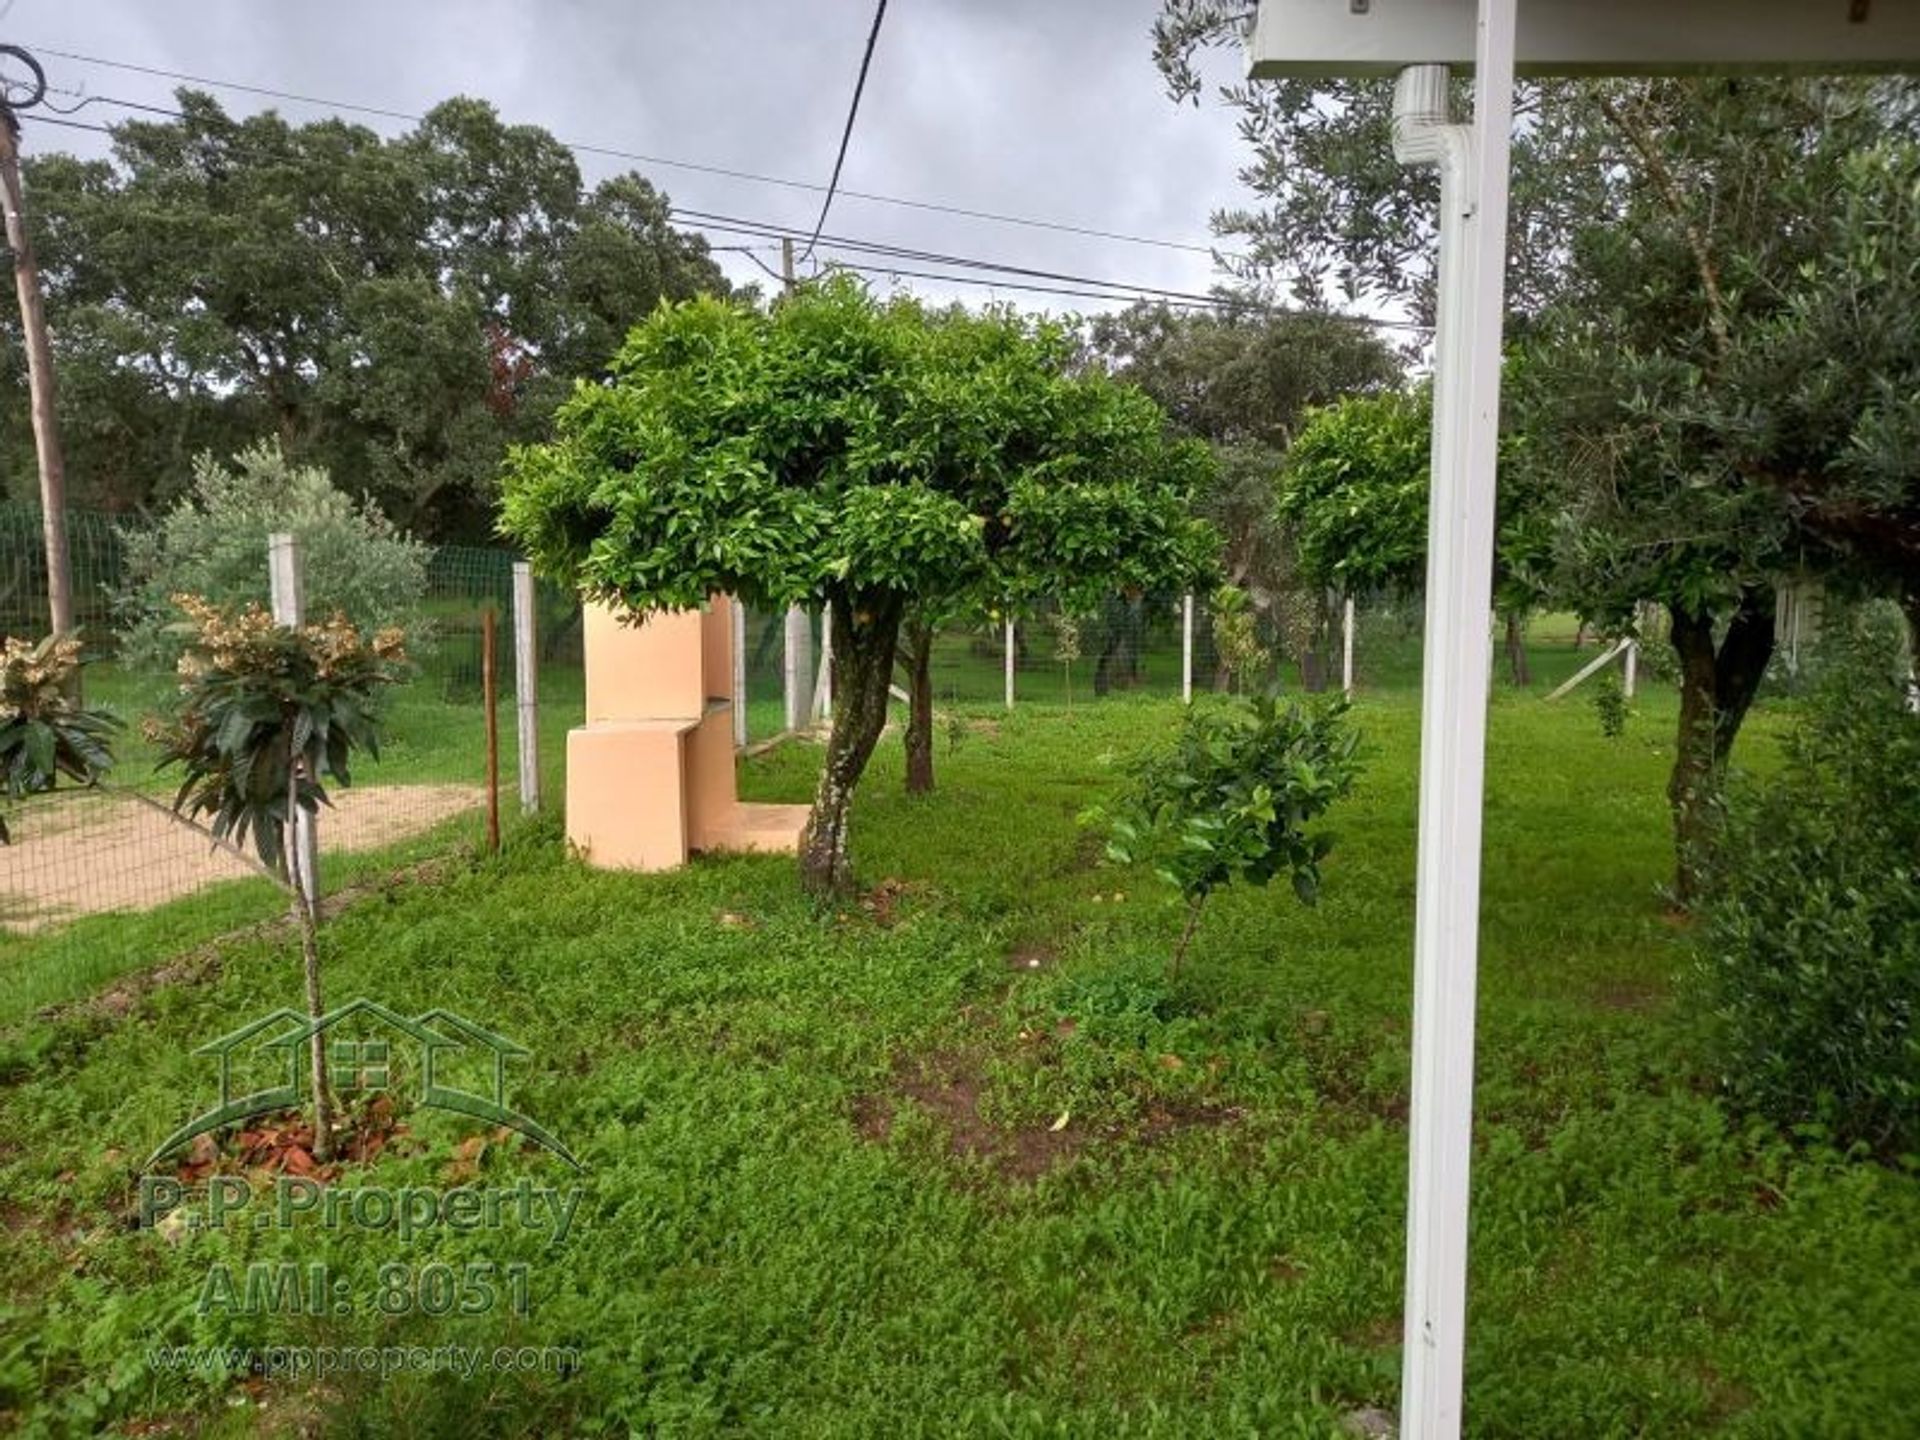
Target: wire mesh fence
[99, 881]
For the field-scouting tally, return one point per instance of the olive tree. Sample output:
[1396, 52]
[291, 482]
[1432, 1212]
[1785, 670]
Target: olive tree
[863, 454]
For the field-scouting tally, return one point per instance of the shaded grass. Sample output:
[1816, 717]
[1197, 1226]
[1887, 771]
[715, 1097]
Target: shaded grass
[752, 1258]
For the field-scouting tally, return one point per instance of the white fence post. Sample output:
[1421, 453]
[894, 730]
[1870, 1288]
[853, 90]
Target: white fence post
[1186, 648]
[799, 668]
[289, 608]
[1010, 658]
[1632, 677]
[1346, 648]
[739, 673]
[823, 686]
[526, 680]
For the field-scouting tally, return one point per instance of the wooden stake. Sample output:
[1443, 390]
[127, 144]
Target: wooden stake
[489, 690]
[46, 422]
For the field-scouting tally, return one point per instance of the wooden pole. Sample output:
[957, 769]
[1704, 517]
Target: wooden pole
[490, 696]
[40, 384]
[526, 682]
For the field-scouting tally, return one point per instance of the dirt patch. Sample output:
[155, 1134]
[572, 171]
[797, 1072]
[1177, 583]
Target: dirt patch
[882, 902]
[90, 852]
[1377, 1334]
[1638, 996]
[949, 1086]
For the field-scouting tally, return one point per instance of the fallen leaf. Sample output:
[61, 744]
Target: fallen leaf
[1061, 1123]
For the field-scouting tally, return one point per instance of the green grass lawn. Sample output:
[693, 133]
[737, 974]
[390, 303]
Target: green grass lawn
[960, 1160]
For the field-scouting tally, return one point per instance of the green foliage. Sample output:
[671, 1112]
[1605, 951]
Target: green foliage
[1231, 1171]
[1811, 946]
[841, 447]
[1236, 636]
[1245, 381]
[258, 699]
[1243, 377]
[396, 310]
[1610, 704]
[44, 732]
[1233, 798]
[212, 543]
[1354, 492]
[1066, 646]
[1354, 496]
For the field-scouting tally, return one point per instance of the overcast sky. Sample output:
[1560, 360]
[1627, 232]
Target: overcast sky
[1049, 109]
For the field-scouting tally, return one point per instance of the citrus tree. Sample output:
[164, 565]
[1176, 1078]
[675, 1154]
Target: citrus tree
[266, 714]
[1354, 497]
[864, 454]
[1232, 800]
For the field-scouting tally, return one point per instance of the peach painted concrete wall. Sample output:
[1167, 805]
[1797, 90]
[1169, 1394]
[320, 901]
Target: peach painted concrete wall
[650, 776]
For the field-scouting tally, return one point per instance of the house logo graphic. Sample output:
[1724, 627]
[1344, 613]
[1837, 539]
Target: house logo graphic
[368, 1048]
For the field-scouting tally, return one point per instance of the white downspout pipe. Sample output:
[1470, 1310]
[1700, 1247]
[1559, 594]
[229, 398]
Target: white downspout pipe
[1472, 162]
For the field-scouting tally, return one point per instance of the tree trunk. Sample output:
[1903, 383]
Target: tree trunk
[866, 630]
[1716, 690]
[1313, 671]
[1521, 673]
[919, 657]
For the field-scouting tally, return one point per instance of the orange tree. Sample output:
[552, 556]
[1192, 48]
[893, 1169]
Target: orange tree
[865, 454]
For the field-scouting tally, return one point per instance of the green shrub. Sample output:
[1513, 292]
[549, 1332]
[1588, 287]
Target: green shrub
[1610, 704]
[44, 732]
[1811, 940]
[213, 544]
[1232, 800]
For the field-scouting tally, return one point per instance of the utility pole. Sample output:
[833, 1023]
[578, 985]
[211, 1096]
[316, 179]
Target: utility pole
[33, 324]
[786, 262]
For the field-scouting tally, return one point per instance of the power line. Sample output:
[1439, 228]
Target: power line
[846, 135]
[875, 269]
[666, 162]
[735, 225]
[63, 124]
[1071, 285]
[727, 225]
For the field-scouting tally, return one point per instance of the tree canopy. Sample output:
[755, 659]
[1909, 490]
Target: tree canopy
[1716, 394]
[396, 311]
[863, 454]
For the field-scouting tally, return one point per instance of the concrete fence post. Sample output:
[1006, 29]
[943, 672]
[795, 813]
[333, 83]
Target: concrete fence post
[739, 673]
[1346, 648]
[526, 682]
[289, 608]
[1186, 648]
[798, 679]
[823, 685]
